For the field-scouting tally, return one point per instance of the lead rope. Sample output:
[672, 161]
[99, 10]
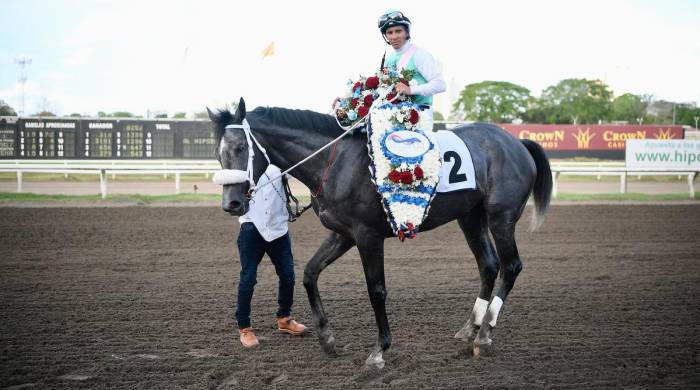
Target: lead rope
[293, 213]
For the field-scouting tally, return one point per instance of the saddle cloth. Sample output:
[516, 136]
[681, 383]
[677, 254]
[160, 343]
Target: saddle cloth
[457, 170]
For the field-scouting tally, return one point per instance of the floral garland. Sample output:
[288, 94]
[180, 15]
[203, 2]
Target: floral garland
[360, 95]
[406, 182]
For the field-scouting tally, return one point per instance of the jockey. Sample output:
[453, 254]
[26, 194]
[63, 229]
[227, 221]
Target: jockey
[396, 31]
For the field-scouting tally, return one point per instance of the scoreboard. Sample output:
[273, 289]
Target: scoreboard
[104, 138]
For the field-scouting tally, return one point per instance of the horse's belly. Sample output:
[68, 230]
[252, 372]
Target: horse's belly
[446, 207]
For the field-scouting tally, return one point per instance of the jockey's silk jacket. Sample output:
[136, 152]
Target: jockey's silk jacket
[428, 76]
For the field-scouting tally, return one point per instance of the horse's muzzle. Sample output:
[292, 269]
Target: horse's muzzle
[234, 207]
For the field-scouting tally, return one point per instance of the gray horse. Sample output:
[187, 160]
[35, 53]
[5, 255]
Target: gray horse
[347, 203]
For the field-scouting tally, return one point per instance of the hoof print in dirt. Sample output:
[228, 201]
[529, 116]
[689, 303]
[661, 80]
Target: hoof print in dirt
[276, 379]
[227, 383]
[463, 353]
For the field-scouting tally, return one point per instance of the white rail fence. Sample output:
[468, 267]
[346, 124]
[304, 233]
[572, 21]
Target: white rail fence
[622, 173]
[103, 170]
[178, 168]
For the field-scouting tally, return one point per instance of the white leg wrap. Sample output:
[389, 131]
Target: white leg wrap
[479, 310]
[494, 309]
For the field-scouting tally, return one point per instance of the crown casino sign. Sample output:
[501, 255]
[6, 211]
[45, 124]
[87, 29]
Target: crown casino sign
[125, 138]
[604, 141]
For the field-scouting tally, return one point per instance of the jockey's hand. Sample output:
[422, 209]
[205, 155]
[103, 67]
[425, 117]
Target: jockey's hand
[403, 89]
[335, 101]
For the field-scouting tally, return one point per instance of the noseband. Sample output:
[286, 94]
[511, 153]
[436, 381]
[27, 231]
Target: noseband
[236, 176]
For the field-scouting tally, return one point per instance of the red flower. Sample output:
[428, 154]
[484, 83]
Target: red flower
[372, 82]
[369, 99]
[414, 117]
[362, 111]
[390, 96]
[353, 102]
[406, 177]
[418, 171]
[357, 85]
[395, 176]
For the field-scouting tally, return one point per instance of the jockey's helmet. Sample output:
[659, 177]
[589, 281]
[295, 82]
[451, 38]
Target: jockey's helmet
[391, 18]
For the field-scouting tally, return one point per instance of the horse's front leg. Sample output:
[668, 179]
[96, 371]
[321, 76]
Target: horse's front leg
[371, 248]
[331, 249]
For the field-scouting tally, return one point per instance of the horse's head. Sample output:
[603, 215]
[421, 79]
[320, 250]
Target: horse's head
[240, 170]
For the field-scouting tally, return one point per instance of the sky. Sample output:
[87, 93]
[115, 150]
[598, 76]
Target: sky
[181, 55]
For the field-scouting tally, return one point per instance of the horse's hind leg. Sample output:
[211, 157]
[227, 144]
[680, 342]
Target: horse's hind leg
[332, 248]
[475, 228]
[502, 228]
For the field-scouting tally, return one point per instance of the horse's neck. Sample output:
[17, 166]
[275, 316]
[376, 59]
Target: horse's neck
[286, 149]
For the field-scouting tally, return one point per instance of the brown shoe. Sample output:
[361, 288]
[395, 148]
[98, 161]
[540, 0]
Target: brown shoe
[248, 338]
[288, 325]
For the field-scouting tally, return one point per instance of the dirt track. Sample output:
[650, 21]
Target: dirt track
[143, 298]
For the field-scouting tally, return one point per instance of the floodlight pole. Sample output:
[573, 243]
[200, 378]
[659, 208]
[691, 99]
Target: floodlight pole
[23, 63]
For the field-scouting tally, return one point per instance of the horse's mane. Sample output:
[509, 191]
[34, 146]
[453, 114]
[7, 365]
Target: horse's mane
[296, 119]
[303, 120]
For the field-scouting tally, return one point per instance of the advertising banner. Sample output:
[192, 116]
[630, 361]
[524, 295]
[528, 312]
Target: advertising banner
[683, 155]
[591, 137]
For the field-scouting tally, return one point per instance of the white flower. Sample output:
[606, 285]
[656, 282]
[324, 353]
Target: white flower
[403, 213]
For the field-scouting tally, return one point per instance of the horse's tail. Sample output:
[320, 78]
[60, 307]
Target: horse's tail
[542, 191]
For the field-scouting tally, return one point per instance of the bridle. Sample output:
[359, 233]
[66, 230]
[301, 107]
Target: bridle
[236, 176]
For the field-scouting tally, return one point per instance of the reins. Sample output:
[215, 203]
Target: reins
[294, 214]
[347, 130]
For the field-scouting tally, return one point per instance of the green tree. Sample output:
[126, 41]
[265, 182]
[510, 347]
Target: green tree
[122, 114]
[75, 115]
[493, 101]
[201, 115]
[6, 110]
[631, 108]
[102, 114]
[161, 116]
[686, 114]
[180, 115]
[437, 116]
[44, 113]
[661, 112]
[575, 101]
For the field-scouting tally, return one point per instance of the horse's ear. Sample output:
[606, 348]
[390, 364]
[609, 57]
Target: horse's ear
[240, 110]
[212, 117]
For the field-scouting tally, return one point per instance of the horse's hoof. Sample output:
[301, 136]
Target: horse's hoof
[375, 360]
[328, 346]
[467, 333]
[483, 348]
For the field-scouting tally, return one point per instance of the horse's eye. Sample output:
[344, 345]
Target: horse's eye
[239, 149]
